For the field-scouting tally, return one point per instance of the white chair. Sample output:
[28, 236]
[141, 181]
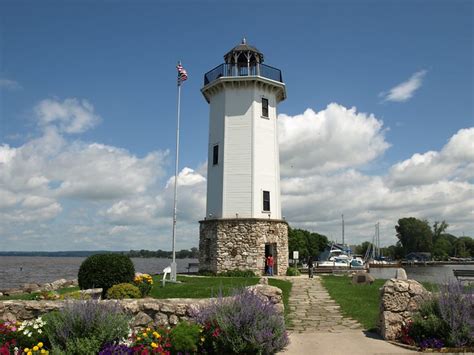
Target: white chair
[166, 270]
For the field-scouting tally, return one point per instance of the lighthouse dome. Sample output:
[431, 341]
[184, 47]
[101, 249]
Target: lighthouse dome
[243, 53]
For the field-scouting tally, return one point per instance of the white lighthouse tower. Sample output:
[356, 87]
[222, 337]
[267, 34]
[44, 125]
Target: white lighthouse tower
[243, 223]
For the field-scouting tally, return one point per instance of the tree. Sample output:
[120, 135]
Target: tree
[414, 235]
[306, 243]
[438, 229]
[362, 249]
[442, 248]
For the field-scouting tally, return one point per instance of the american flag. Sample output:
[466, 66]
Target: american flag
[182, 75]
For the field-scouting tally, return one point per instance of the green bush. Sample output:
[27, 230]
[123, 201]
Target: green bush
[125, 290]
[428, 323]
[292, 271]
[237, 273]
[69, 330]
[104, 271]
[206, 273]
[185, 337]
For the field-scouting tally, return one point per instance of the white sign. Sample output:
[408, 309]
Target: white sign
[295, 255]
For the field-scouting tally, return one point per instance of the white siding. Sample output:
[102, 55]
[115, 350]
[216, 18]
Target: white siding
[248, 154]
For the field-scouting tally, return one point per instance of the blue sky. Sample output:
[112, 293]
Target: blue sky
[120, 57]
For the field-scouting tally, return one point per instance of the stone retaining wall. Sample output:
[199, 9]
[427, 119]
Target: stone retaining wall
[399, 300]
[145, 311]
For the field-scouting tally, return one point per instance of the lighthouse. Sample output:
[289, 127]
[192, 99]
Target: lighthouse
[243, 223]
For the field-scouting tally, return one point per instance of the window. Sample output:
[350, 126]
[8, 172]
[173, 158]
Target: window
[215, 154]
[264, 107]
[266, 201]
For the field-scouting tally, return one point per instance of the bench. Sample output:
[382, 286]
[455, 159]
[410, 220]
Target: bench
[192, 265]
[464, 275]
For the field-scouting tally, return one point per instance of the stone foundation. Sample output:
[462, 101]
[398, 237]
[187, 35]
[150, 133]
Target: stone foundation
[399, 300]
[146, 311]
[239, 243]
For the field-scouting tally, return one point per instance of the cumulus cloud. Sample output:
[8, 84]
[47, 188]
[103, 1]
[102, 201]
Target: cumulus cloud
[404, 91]
[10, 85]
[328, 140]
[105, 197]
[71, 116]
[454, 160]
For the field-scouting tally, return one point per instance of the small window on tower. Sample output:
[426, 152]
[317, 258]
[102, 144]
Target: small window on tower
[266, 201]
[215, 154]
[264, 107]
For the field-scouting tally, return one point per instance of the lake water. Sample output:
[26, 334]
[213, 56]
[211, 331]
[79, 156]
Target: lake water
[436, 274]
[18, 270]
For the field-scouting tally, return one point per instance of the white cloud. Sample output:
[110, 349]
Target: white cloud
[328, 140]
[454, 160]
[11, 85]
[405, 91]
[71, 115]
[104, 197]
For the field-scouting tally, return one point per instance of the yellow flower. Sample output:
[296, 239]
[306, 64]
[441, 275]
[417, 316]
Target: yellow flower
[148, 329]
[202, 339]
[145, 335]
[35, 348]
[43, 351]
[154, 345]
[138, 338]
[29, 353]
[40, 345]
[26, 350]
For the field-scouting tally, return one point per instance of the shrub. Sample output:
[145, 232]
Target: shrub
[144, 282]
[456, 305]
[292, 271]
[206, 273]
[237, 273]
[104, 271]
[69, 329]
[122, 291]
[428, 323]
[185, 337]
[242, 324]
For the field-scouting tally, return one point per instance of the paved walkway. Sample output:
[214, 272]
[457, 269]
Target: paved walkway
[318, 326]
[313, 310]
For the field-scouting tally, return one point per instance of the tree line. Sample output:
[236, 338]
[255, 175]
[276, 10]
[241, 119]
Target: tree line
[193, 253]
[416, 235]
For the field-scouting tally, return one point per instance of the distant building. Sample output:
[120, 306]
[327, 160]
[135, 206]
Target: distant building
[418, 256]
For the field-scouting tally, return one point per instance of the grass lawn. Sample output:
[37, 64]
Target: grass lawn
[360, 302]
[199, 287]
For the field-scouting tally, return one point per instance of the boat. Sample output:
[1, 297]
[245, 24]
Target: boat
[339, 256]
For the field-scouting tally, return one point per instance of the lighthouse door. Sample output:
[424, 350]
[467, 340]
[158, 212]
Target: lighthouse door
[271, 249]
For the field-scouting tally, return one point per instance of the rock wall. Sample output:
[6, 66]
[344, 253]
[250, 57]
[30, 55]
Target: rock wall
[229, 244]
[399, 300]
[145, 311]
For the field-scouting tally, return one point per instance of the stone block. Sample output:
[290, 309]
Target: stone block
[161, 319]
[362, 278]
[141, 320]
[31, 287]
[401, 274]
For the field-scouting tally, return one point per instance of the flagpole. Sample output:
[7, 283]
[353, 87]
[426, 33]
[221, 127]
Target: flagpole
[173, 263]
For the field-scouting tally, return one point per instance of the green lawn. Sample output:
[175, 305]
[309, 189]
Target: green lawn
[360, 302]
[199, 287]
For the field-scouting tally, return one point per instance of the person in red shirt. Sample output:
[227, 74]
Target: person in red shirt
[270, 264]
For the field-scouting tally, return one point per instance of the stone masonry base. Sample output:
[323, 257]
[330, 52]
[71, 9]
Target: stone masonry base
[240, 243]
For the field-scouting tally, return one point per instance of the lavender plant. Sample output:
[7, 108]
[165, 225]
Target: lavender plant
[242, 324]
[456, 304]
[103, 322]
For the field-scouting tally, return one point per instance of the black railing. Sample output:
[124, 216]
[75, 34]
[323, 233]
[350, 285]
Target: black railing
[226, 70]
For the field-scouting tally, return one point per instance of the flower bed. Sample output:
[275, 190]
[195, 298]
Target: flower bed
[249, 318]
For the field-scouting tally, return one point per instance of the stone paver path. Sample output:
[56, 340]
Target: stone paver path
[312, 310]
